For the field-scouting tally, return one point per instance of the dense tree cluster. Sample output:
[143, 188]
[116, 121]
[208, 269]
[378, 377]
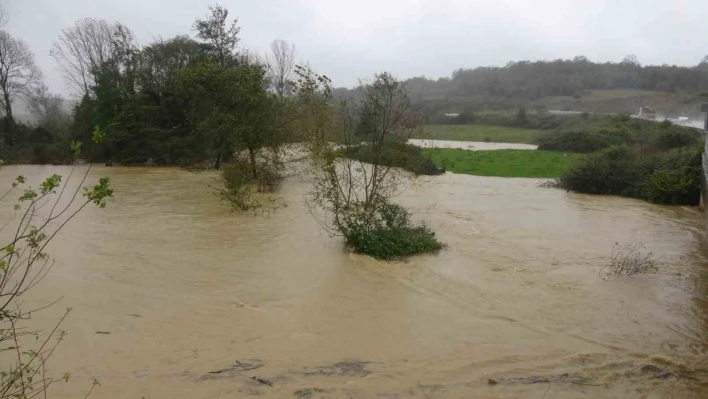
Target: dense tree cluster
[533, 80]
[173, 101]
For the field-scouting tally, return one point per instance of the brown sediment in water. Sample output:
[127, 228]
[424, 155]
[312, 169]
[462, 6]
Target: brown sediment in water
[201, 302]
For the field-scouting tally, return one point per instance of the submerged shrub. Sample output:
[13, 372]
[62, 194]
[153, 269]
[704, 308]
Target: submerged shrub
[242, 190]
[386, 232]
[628, 260]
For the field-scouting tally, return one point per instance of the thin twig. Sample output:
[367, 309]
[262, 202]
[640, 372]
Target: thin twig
[422, 390]
[586, 384]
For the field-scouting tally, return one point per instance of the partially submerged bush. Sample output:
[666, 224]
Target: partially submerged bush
[386, 232]
[628, 260]
[243, 187]
[396, 154]
[671, 178]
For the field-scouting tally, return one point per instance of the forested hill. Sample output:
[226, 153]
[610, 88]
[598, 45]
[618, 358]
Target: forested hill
[535, 80]
[577, 84]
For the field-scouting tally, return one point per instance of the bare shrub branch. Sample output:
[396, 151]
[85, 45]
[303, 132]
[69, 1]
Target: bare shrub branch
[628, 260]
[24, 264]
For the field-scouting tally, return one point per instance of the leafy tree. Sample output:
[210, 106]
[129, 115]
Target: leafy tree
[231, 109]
[216, 30]
[351, 196]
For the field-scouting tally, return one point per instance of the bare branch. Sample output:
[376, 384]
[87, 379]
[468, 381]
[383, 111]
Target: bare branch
[18, 72]
[281, 61]
[81, 50]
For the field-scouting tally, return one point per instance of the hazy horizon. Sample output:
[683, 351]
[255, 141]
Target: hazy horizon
[349, 41]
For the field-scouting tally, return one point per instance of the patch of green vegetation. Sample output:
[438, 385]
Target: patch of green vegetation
[671, 177]
[594, 133]
[396, 154]
[497, 134]
[387, 233]
[504, 163]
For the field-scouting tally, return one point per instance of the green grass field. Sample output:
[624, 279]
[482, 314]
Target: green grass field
[503, 163]
[496, 134]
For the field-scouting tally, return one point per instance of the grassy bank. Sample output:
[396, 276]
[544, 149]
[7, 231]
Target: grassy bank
[400, 155]
[504, 163]
[497, 134]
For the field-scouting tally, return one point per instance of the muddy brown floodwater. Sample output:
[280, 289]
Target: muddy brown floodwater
[203, 303]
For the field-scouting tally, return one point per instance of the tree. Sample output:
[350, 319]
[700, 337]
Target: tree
[351, 197]
[630, 60]
[231, 109]
[47, 108]
[18, 73]
[162, 61]
[213, 29]
[82, 50]
[281, 61]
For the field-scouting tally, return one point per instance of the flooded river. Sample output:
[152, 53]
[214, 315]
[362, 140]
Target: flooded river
[203, 303]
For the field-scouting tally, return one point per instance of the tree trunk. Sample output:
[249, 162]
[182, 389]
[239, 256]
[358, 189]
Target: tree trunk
[254, 168]
[217, 164]
[10, 123]
[8, 108]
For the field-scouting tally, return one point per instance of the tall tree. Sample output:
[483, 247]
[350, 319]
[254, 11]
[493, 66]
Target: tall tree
[215, 29]
[48, 108]
[82, 50]
[18, 73]
[231, 109]
[281, 61]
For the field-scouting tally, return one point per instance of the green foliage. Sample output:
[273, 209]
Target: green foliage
[671, 178]
[100, 192]
[386, 232]
[671, 136]
[496, 134]
[75, 147]
[98, 135]
[141, 109]
[600, 132]
[230, 108]
[396, 154]
[503, 163]
[522, 119]
[355, 191]
[579, 141]
[238, 190]
[21, 143]
[222, 37]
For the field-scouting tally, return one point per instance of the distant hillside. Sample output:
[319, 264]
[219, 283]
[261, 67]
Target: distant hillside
[670, 105]
[577, 84]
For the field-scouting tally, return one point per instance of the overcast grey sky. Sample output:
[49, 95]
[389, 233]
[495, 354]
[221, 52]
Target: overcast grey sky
[348, 40]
